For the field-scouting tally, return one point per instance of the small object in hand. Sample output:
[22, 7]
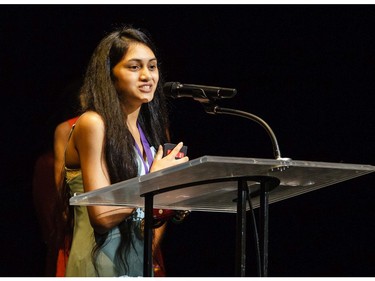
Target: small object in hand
[168, 147]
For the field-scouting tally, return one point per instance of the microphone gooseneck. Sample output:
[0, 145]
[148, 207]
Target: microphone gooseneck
[207, 95]
[220, 110]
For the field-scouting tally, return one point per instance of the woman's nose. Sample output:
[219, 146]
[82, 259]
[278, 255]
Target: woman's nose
[145, 74]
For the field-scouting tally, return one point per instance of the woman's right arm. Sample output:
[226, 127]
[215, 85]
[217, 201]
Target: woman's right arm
[86, 150]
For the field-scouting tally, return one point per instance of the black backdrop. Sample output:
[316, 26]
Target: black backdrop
[308, 70]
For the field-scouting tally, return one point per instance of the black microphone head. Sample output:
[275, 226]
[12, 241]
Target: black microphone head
[170, 89]
[197, 92]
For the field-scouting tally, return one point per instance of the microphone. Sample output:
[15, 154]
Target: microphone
[197, 92]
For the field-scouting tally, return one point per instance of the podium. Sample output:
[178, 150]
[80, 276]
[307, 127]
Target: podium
[222, 184]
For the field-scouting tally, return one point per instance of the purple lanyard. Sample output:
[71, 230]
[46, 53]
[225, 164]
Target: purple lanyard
[146, 148]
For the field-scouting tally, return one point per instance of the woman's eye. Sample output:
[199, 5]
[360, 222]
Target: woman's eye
[134, 67]
[153, 67]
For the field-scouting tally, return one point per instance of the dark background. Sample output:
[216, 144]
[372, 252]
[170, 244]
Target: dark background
[308, 70]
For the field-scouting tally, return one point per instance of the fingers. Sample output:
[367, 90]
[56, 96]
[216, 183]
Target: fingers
[182, 160]
[159, 153]
[176, 150]
[170, 160]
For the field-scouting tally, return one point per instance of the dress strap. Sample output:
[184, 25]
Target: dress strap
[72, 122]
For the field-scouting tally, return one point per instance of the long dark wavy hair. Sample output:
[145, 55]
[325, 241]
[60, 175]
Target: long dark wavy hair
[99, 94]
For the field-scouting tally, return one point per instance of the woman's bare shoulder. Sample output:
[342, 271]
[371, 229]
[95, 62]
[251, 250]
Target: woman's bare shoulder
[90, 126]
[90, 120]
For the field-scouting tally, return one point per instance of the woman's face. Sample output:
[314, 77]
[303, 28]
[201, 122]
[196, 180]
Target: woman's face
[136, 76]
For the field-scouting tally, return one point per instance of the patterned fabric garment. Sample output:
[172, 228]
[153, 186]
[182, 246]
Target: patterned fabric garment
[80, 259]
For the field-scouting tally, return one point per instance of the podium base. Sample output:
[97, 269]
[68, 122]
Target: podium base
[267, 184]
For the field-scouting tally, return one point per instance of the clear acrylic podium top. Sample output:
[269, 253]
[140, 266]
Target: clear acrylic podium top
[296, 177]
